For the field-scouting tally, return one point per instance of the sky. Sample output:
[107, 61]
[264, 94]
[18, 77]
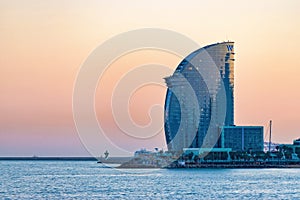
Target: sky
[45, 43]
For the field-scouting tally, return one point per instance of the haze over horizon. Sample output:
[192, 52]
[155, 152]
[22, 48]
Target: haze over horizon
[44, 44]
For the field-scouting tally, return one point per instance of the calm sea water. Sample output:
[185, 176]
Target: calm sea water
[88, 180]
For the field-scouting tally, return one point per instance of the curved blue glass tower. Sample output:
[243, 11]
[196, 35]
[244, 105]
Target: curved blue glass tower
[200, 92]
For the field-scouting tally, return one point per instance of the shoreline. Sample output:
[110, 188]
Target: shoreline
[217, 165]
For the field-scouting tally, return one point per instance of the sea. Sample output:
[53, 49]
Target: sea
[91, 180]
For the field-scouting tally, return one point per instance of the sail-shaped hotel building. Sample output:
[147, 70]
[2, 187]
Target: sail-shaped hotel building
[200, 101]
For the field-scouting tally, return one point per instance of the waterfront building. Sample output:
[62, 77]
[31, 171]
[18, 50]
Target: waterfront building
[242, 138]
[200, 98]
[199, 106]
[291, 151]
[297, 142]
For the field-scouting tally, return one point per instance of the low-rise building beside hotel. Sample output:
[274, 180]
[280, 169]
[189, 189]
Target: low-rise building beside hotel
[243, 138]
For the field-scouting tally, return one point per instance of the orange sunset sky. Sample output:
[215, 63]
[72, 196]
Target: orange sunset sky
[44, 43]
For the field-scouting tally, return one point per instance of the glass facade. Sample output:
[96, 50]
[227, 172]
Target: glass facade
[200, 98]
[243, 138]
